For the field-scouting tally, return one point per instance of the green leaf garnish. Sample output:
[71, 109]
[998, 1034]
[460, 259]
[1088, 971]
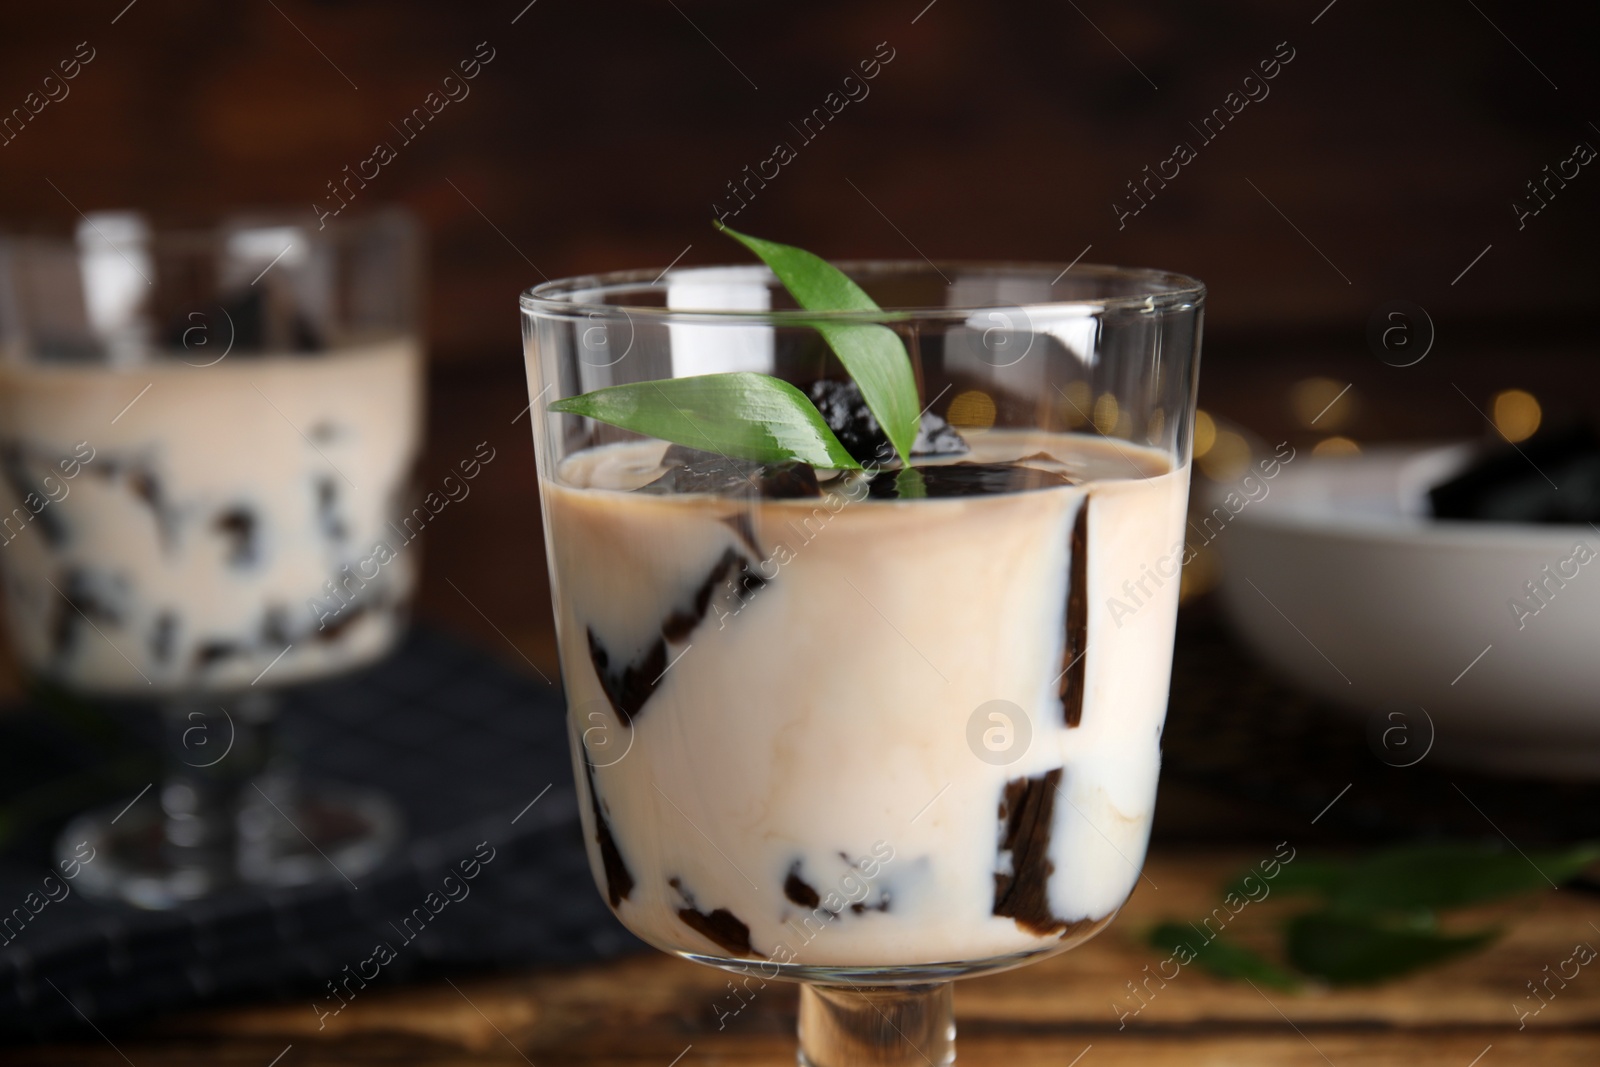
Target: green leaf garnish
[753, 416]
[742, 415]
[873, 354]
[1348, 949]
[1222, 958]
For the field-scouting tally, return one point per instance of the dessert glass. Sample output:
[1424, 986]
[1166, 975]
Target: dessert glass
[204, 438]
[826, 734]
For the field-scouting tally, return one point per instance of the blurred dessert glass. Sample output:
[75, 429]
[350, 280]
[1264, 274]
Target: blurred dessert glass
[204, 438]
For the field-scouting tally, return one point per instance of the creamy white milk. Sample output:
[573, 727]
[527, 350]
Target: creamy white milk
[209, 518]
[807, 745]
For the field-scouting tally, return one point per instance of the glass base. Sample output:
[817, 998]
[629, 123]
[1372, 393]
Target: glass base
[884, 1026]
[283, 834]
[852, 975]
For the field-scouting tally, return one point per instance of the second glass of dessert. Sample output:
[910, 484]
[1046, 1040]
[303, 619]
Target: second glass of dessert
[882, 724]
[205, 436]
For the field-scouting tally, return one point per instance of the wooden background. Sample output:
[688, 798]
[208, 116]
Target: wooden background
[601, 133]
[654, 1010]
[1384, 159]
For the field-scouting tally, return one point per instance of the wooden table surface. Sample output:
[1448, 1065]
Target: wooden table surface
[648, 1009]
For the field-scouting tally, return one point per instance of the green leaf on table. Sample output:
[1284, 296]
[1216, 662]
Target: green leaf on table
[1448, 876]
[1221, 958]
[1301, 876]
[872, 353]
[1433, 876]
[742, 415]
[1348, 949]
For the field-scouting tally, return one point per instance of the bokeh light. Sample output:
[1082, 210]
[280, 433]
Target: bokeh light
[971, 410]
[1227, 458]
[1105, 413]
[1076, 398]
[1205, 432]
[1336, 446]
[1516, 414]
[1316, 403]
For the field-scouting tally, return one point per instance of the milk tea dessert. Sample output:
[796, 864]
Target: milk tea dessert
[226, 517]
[820, 722]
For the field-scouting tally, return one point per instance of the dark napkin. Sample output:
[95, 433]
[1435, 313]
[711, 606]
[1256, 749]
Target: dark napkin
[462, 743]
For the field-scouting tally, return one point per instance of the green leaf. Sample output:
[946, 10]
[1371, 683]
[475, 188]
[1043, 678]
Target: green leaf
[873, 354]
[910, 485]
[1221, 958]
[741, 415]
[1446, 876]
[1433, 876]
[1348, 949]
[1300, 876]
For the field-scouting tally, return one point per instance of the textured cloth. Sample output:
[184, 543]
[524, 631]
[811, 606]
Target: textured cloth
[459, 741]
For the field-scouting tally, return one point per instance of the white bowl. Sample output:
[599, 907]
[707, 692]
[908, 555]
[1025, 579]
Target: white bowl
[1335, 575]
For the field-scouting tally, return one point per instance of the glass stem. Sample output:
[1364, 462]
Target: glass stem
[214, 748]
[880, 1026]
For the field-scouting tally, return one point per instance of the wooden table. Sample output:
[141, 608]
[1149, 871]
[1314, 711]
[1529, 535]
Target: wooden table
[649, 1009]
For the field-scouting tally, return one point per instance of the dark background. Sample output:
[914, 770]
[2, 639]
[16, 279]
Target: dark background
[1385, 159]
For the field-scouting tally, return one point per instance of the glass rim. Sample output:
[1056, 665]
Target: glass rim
[201, 231]
[581, 296]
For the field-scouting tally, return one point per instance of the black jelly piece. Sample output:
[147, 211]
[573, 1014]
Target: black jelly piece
[327, 509]
[721, 926]
[847, 415]
[741, 524]
[853, 423]
[1075, 652]
[678, 625]
[689, 470]
[163, 636]
[95, 595]
[89, 596]
[790, 481]
[1027, 810]
[214, 651]
[862, 907]
[969, 479]
[147, 487]
[935, 437]
[798, 890]
[238, 525]
[275, 627]
[14, 461]
[619, 880]
[630, 685]
[1519, 483]
[346, 617]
